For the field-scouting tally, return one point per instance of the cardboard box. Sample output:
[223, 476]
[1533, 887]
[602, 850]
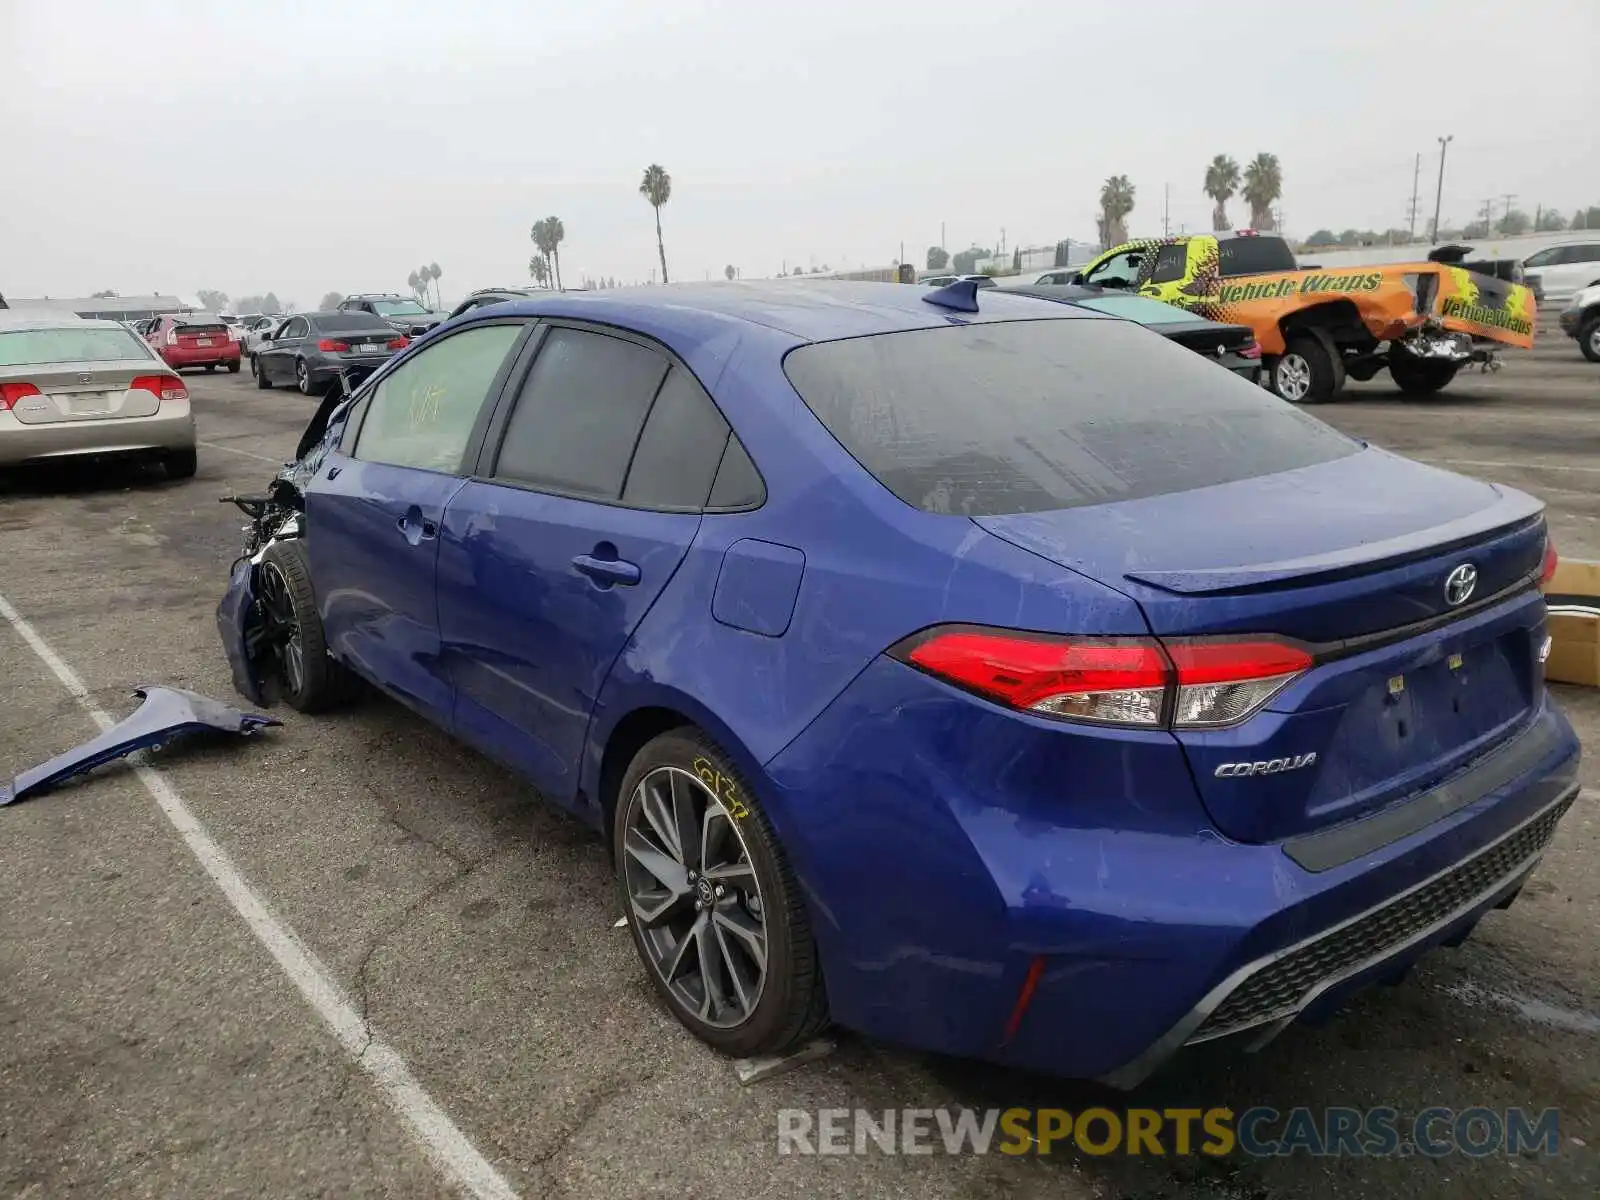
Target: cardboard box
[1574, 597]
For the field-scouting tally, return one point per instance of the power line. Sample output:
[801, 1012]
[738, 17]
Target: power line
[1416, 174]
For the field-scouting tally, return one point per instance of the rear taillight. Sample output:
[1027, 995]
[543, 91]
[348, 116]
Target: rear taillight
[1547, 570]
[399, 343]
[10, 393]
[1139, 682]
[168, 387]
[1253, 350]
[329, 346]
[1223, 682]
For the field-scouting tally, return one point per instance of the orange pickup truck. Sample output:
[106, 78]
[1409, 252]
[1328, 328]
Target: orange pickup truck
[1422, 321]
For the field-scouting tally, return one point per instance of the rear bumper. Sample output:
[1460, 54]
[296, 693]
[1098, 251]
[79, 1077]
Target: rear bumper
[324, 369]
[178, 357]
[934, 888]
[172, 428]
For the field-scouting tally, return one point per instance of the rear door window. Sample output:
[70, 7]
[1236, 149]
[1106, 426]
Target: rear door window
[679, 448]
[1028, 416]
[1171, 263]
[578, 414]
[1254, 255]
[423, 412]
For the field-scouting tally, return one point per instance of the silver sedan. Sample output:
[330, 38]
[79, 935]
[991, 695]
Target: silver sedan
[72, 388]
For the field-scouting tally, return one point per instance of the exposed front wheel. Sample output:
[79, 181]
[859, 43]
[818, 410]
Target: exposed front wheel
[1589, 338]
[712, 905]
[308, 678]
[1420, 376]
[1308, 371]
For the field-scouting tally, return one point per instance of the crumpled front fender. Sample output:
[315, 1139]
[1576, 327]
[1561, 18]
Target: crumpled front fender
[166, 713]
[234, 615]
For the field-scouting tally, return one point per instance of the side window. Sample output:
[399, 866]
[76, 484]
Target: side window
[1586, 254]
[422, 413]
[1171, 264]
[1544, 258]
[295, 328]
[738, 483]
[578, 414]
[679, 450]
[1118, 270]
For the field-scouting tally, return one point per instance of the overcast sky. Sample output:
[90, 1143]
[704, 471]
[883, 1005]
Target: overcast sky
[335, 145]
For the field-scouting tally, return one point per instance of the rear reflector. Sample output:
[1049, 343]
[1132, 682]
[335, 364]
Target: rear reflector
[1253, 350]
[168, 387]
[1547, 571]
[329, 346]
[10, 393]
[1137, 682]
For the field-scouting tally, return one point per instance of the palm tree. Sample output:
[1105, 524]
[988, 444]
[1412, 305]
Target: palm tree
[539, 268]
[433, 270]
[414, 281]
[1116, 202]
[729, 271]
[656, 187]
[1263, 184]
[557, 233]
[1222, 181]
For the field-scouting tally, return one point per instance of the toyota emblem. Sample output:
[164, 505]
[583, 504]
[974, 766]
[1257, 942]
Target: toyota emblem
[1459, 584]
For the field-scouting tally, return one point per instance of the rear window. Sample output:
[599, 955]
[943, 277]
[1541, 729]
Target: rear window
[351, 320]
[1029, 416]
[1254, 255]
[24, 347]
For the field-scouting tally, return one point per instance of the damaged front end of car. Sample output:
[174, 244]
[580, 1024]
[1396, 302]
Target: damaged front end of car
[256, 636]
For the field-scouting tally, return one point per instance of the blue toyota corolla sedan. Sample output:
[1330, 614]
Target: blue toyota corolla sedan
[974, 672]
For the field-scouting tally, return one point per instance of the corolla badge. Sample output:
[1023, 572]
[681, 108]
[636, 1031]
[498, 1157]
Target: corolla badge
[1271, 766]
[1459, 584]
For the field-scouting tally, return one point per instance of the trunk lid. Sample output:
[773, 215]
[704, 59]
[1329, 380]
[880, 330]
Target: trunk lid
[202, 336]
[1210, 337]
[1351, 558]
[362, 340]
[84, 392]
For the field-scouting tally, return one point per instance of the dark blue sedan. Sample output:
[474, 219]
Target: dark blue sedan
[986, 675]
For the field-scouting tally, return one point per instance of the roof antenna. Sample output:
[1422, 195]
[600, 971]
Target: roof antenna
[962, 296]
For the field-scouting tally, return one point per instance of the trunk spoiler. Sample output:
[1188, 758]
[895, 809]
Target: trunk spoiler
[1512, 510]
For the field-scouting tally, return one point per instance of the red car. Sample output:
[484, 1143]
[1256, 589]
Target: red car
[194, 340]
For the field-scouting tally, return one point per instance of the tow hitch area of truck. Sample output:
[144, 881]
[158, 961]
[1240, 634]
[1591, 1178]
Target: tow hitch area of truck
[166, 713]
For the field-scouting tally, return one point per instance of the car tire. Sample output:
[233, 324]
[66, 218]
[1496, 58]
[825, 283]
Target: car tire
[764, 1004]
[211, 368]
[1589, 338]
[302, 378]
[1309, 370]
[233, 367]
[262, 381]
[1419, 376]
[252, 365]
[182, 464]
[308, 678]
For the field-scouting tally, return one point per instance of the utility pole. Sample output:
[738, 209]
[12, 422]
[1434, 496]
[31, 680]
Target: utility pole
[1166, 209]
[1438, 196]
[1488, 216]
[941, 235]
[1416, 174]
[1508, 197]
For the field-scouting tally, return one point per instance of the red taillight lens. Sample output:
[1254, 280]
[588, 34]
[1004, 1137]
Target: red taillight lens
[1222, 683]
[1253, 350]
[1137, 682]
[329, 346]
[168, 387]
[10, 393]
[1117, 680]
[399, 343]
[1552, 560]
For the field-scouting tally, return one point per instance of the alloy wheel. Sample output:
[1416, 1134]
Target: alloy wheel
[1293, 377]
[1594, 341]
[694, 898]
[283, 627]
[302, 377]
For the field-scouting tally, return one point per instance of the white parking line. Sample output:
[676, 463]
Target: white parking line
[439, 1137]
[1519, 466]
[277, 462]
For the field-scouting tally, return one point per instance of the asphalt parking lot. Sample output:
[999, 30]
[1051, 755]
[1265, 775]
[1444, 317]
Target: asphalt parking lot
[151, 1046]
